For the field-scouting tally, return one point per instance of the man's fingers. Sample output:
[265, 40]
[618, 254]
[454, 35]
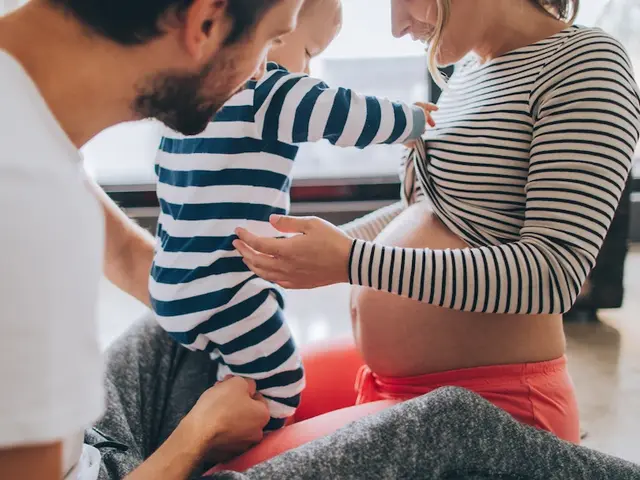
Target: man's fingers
[251, 387]
[258, 397]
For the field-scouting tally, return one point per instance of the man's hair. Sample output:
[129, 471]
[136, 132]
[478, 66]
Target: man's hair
[134, 22]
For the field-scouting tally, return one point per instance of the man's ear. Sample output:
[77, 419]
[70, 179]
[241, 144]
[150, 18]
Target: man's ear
[206, 26]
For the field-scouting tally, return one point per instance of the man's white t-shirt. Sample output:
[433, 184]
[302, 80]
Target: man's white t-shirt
[51, 256]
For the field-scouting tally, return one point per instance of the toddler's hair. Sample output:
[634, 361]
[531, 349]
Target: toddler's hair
[308, 5]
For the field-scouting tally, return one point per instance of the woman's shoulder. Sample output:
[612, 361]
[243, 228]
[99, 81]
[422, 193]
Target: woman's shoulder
[578, 44]
[590, 71]
[585, 54]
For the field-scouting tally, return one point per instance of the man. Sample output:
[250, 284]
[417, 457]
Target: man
[69, 69]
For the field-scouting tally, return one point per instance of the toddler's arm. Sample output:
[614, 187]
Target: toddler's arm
[295, 108]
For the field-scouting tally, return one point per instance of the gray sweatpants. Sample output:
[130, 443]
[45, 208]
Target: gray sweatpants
[451, 433]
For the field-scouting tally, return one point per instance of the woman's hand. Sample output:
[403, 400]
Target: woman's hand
[318, 256]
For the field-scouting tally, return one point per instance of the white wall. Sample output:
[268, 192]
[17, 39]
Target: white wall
[8, 5]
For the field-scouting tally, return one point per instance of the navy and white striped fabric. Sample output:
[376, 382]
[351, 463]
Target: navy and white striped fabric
[236, 174]
[527, 164]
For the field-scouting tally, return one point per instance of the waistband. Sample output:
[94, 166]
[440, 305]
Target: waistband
[470, 378]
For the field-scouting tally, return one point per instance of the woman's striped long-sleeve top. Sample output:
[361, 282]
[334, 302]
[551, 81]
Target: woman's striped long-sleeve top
[527, 165]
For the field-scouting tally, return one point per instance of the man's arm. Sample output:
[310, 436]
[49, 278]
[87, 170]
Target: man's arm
[176, 459]
[39, 462]
[227, 419]
[129, 249]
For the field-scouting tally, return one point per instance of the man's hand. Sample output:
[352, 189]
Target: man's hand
[228, 418]
[226, 421]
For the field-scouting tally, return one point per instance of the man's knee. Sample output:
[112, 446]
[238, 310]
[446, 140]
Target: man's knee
[450, 401]
[458, 409]
[141, 335]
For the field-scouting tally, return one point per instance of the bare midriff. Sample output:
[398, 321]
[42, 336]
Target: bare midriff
[399, 337]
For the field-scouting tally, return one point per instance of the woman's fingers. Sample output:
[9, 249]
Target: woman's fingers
[265, 266]
[255, 258]
[317, 257]
[263, 245]
[267, 275]
[287, 224]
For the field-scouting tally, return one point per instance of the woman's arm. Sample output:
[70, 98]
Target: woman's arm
[369, 227]
[587, 118]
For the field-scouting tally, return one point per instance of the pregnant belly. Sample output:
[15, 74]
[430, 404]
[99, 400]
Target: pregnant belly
[402, 337]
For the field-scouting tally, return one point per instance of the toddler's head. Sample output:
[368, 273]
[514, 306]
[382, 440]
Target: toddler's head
[319, 22]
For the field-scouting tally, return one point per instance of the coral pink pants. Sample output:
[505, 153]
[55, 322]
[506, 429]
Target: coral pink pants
[538, 394]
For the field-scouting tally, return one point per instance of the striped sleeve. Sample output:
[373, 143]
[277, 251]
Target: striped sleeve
[586, 113]
[295, 108]
[369, 227]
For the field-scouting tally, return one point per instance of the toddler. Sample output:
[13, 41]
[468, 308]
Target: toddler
[238, 173]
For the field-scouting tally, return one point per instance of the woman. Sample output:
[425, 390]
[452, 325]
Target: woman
[504, 211]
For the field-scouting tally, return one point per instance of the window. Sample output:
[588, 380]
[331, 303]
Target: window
[364, 56]
[367, 58]
[8, 5]
[359, 58]
[590, 11]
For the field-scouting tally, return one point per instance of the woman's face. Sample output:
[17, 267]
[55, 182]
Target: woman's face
[419, 18]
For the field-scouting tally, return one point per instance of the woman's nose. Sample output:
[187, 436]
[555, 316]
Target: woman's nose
[400, 19]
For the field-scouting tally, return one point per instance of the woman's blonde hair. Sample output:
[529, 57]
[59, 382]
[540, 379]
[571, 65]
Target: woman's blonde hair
[565, 10]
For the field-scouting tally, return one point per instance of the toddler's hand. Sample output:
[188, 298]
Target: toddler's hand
[427, 108]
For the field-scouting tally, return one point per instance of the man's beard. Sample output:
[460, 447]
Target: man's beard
[178, 100]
